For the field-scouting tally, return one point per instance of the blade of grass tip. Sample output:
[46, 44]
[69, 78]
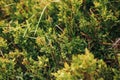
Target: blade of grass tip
[40, 18]
[56, 1]
[9, 4]
[31, 37]
[28, 26]
[31, 17]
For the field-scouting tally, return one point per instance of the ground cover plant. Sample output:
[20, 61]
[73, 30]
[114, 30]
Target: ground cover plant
[59, 39]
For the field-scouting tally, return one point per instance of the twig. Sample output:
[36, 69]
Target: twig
[116, 46]
[59, 28]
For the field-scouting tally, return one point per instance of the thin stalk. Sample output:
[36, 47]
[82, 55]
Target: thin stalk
[1, 53]
[40, 18]
[42, 15]
[28, 26]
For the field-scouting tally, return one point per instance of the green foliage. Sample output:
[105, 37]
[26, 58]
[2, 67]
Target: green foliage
[40, 37]
[17, 66]
[81, 67]
[2, 43]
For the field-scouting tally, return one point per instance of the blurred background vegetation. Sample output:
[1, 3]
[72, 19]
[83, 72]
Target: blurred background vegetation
[59, 39]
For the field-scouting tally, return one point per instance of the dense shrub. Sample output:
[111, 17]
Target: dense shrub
[82, 67]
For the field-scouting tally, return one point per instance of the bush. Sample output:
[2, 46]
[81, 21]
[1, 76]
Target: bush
[83, 67]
